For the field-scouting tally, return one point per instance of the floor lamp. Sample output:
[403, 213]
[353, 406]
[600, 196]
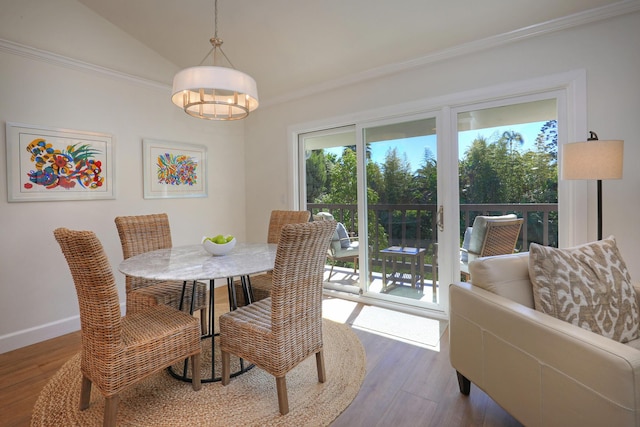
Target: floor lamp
[593, 159]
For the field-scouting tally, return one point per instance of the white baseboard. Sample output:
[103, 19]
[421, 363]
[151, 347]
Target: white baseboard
[40, 333]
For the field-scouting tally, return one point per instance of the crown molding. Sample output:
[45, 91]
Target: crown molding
[75, 64]
[594, 15]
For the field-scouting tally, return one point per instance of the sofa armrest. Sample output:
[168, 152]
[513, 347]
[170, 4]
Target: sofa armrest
[540, 369]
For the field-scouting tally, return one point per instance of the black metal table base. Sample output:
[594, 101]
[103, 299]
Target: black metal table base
[248, 294]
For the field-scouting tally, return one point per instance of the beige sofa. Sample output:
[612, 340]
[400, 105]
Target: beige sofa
[543, 371]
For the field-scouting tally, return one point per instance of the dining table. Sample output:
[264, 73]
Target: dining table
[191, 264]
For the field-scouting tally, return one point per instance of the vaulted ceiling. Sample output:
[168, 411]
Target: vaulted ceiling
[290, 45]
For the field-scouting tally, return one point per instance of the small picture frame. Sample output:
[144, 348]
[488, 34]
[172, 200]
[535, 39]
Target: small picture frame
[51, 164]
[173, 169]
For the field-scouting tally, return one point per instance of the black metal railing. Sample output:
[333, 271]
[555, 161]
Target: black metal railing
[415, 225]
[412, 224]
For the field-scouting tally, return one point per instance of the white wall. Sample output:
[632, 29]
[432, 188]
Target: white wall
[37, 297]
[607, 50]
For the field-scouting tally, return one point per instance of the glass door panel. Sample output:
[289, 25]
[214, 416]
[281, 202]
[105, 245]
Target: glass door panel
[401, 178]
[331, 188]
[507, 163]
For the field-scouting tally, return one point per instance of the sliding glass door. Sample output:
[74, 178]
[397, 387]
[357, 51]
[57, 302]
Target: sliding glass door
[329, 187]
[407, 186]
[380, 181]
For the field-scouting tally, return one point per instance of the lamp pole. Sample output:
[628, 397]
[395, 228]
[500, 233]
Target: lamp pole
[594, 137]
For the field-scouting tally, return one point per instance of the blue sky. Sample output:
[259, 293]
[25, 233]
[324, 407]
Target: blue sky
[414, 147]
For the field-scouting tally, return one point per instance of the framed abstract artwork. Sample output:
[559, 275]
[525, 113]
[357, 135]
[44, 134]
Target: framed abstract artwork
[49, 164]
[174, 170]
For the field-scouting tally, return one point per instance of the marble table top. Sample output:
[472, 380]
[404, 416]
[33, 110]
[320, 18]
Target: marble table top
[194, 263]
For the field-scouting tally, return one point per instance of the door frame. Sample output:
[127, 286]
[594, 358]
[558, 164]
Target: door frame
[572, 126]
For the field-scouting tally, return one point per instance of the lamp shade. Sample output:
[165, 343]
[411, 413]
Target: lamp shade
[215, 93]
[598, 159]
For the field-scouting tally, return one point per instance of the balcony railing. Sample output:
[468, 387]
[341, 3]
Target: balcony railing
[415, 225]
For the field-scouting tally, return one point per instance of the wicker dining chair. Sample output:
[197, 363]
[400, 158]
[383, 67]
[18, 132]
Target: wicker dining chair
[117, 352]
[146, 233]
[261, 283]
[279, 332]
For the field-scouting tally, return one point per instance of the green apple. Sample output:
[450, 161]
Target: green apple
[220, 239]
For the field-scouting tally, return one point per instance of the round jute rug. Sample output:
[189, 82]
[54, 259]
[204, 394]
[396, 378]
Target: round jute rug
[249, 400]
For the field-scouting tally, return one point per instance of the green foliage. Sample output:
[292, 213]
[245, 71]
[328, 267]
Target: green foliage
[495, 169]
[344, 187]
[316, 175]
[499, 172]
[397, 176]
[424, 188]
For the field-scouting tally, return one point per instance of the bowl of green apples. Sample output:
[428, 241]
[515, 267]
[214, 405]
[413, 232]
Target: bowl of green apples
[219, 245]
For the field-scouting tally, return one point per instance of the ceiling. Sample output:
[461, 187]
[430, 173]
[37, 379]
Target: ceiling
[290, 45]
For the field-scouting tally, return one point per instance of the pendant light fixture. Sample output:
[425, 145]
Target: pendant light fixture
[215, 92]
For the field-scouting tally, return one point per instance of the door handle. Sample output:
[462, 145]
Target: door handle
[440, 218]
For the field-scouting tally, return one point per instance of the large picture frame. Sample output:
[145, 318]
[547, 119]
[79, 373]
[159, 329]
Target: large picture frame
[174, 169]
[51, 164]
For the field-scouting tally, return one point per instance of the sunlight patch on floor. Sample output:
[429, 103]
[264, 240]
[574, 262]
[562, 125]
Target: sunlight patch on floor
[408, 328]
[337, 309]
[416, 330]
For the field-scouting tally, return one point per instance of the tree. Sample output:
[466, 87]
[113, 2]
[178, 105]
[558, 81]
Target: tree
[510, 137]
[547, 139]
[425, 182]
[479, 173]
[316, 171]
[343, 179]
[397, 179]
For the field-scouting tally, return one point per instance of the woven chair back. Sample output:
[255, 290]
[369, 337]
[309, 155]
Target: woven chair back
[140, 234]
[279, 219]
[502, 237]
[296, 294]
[100, 317]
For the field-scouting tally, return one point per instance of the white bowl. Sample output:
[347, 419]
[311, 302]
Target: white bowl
[217, 249]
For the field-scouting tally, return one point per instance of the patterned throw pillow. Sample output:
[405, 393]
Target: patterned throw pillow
[588, 286]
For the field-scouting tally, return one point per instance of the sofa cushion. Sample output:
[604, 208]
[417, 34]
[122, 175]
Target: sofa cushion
[343, 236]
[588, 286]
[504, 275]
[323, 216]
[464, 255]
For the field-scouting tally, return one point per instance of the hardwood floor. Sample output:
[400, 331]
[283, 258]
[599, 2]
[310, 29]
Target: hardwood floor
[405, 385]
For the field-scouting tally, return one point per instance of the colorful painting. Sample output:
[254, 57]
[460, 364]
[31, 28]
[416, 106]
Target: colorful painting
[174, 169]
[45, 164]
[177, 169]
[76, 164]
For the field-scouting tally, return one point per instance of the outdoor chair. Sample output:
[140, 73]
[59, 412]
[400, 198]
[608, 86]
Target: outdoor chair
[260, 284]
[279, 332]
[343, 247]
[146, 233]
[116, 351]
[489, 236]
